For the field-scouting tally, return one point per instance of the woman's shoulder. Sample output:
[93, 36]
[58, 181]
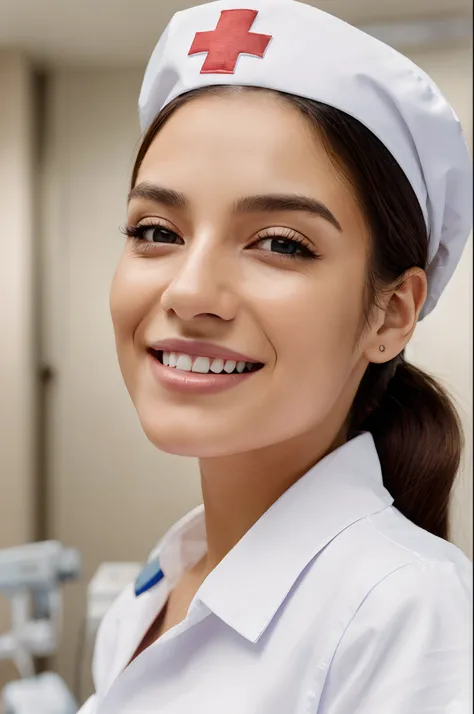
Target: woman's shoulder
[373, 547]
[406, 639]
[414, 569]
[385, 543]
[384, 559]
[429, 574]
[392, 534]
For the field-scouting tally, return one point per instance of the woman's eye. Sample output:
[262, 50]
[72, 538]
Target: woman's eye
[279, 245]
[285, 246]
[158, 234]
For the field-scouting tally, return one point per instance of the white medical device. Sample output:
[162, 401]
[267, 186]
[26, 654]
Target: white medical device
[108, 582]
[31, 577]
[45, 694]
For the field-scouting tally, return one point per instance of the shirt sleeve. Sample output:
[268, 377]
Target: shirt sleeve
[408, 649]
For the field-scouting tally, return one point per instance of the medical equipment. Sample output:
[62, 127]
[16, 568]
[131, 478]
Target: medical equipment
[45, 694]
[108, 582]
[31, 577]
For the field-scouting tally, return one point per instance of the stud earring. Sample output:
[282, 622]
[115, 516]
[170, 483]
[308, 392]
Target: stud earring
[382, 348]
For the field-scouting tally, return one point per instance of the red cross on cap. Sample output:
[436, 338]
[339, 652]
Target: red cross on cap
[231, 38]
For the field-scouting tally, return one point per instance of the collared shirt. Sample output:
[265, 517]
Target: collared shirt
[332, 603]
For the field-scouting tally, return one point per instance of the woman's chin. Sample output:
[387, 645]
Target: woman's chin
[181, 440]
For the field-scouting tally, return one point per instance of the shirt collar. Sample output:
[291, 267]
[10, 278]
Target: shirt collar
[183, 545]
[249, 585]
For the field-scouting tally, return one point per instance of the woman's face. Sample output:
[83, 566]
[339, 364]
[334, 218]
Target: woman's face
[249, 258]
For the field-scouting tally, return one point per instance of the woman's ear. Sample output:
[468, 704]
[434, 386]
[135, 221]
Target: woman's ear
[401, 308]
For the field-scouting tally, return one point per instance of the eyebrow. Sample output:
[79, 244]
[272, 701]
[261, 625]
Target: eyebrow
[158, 194]
[266, 203]
[273, 203]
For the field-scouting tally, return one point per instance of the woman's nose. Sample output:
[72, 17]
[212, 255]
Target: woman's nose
[201, 286]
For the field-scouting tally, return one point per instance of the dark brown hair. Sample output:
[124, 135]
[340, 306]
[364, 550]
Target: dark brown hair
[414, 424]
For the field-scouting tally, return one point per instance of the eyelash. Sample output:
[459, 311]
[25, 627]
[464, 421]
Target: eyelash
[136, 233]
[286, 235]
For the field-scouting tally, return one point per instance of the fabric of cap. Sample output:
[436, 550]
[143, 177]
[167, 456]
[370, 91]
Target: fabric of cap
[314, 55]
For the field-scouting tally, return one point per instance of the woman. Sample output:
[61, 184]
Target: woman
[300, 199]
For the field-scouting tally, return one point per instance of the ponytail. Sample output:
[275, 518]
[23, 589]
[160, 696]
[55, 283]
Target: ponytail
[418, 436]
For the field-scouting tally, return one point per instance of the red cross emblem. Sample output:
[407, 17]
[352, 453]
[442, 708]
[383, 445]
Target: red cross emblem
[231, 38]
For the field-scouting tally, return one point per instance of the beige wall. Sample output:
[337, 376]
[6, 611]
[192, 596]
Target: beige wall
[112, 494]
[17, 384]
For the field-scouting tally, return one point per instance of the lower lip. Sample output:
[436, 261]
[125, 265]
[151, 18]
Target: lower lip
[192, 382]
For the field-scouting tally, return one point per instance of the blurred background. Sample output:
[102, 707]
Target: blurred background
[74, 464]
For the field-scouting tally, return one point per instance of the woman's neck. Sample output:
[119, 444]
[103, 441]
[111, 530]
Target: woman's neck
[237, 490]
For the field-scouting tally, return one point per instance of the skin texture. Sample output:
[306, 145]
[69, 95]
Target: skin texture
[221, 282]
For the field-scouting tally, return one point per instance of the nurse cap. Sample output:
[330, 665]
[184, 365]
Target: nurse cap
[294, 48]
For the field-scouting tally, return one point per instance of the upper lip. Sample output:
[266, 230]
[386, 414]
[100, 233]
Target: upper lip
[196, 348]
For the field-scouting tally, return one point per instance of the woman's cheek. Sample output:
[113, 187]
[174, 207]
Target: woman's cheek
[132, 295]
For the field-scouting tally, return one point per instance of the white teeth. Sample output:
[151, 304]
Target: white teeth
[204, 365]
[201, 365]
[229, 366]
[184, 363]
[217, 365]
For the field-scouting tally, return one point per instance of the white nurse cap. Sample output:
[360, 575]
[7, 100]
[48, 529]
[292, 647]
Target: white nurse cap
[294, 48]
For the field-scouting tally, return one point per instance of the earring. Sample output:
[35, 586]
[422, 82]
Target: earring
[382, 348]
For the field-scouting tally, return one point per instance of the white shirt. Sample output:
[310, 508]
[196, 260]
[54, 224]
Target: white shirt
[332, 603]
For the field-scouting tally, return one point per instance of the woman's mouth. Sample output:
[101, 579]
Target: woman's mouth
[203, 365]
[196, 373]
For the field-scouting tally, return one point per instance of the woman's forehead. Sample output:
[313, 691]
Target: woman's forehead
[257, 120]
[249, 137]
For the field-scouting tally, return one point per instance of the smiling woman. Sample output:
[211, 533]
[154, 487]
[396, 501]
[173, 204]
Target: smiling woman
[234, 256]
[285, 234]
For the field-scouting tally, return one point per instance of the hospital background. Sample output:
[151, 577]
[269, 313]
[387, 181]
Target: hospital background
[74, 465]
